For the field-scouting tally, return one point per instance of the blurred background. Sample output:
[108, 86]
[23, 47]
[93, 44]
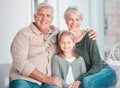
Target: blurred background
[100, 15]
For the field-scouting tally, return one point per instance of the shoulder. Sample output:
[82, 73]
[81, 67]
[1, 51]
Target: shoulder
[24, 31]
[87, 36]
[88, 40]
[80, 58]
[55, 58]
[54, 28]
[21, 34]
[54, 31]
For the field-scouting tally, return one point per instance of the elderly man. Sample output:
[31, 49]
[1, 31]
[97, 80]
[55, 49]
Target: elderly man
[32, 49]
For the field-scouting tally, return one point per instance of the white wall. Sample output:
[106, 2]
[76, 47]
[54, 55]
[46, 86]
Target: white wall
[14, 15]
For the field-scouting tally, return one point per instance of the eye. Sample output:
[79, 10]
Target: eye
[77, 19]
[48, 15]
[70, 19]
[69, 42]
[40, 14]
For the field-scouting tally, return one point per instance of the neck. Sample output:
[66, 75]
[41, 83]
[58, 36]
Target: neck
[79, 35]
[67, 55]
[44, 31]
[78, 32]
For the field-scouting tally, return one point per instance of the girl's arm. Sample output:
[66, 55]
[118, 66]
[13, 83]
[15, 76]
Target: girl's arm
[56, 71]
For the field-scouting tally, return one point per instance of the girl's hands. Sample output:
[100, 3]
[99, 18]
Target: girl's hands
[76, 84]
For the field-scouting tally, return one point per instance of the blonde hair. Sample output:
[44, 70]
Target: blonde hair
[71, 35]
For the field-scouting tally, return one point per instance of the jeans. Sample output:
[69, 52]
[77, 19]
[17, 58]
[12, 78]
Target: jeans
[106, 78]
[19, 83]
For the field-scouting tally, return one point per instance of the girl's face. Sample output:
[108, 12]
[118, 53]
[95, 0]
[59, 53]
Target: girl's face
[73, 22]
[66, 44]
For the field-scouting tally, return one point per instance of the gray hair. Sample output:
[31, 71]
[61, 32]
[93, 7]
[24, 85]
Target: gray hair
[73, 10]
[44, 4]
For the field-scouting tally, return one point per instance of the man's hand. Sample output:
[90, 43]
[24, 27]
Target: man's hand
[46, 79]
[92, 34]
[54, 81]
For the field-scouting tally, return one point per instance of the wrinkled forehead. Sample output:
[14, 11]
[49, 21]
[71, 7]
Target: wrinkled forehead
[44, 7]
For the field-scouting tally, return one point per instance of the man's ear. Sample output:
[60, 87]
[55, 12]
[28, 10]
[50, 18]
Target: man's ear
[34, 16]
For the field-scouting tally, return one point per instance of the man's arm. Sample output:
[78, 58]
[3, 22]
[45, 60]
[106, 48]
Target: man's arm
[45, 79]
[19, 52]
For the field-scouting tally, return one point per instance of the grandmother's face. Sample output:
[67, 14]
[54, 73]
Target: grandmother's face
[73, 22]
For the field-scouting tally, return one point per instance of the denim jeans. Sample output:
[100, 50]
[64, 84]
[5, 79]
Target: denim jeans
[19, 83]
[106, 78]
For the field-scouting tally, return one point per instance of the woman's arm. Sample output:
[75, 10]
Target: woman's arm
[94, 57]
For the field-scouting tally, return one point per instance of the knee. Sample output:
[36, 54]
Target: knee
[86, 83]
[19, 84]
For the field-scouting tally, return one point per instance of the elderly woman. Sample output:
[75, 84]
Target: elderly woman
[99, 74]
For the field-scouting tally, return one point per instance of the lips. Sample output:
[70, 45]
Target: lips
[73, 26]
[43, 23]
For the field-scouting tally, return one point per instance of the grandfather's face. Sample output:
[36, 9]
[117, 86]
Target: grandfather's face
[43, 19]
[73, 22]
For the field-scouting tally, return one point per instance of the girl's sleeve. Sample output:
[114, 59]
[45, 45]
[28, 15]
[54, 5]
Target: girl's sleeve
[56, 70]
[83, 67]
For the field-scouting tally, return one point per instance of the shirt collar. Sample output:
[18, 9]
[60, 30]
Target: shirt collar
[36, 30]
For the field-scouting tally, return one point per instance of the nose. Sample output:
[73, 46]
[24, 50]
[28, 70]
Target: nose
[66, 44]
[73, 21]
[44, 17]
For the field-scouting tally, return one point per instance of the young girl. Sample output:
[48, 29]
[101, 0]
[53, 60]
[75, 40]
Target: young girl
[66, 64]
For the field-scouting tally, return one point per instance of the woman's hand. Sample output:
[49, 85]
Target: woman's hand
[76, 84]
[92, 34]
